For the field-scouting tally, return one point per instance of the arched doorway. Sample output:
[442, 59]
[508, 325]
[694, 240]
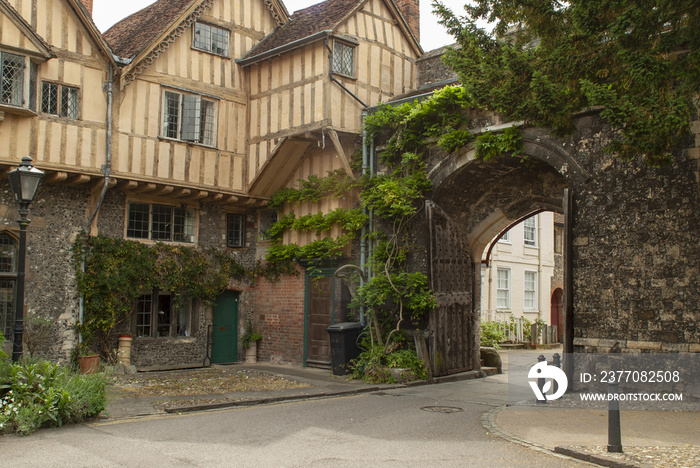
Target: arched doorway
[483, 199]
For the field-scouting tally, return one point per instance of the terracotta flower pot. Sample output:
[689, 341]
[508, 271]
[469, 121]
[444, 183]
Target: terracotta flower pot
[89, 364]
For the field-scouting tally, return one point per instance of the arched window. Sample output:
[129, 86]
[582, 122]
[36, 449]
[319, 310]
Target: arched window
[8, 282]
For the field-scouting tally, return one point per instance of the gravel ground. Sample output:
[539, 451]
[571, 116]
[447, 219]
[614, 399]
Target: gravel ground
[681, 456]
[196, 386]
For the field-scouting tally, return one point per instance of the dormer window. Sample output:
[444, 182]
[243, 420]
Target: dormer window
[210, 39]
[344, 59]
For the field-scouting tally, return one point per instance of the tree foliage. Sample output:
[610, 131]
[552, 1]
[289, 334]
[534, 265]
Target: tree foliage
[545, 60]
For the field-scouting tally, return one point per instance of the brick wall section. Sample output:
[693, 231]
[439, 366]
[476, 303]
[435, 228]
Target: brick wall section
[411, 13]
[279, 316]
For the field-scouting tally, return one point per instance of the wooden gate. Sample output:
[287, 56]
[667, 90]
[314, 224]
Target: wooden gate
[451, 324]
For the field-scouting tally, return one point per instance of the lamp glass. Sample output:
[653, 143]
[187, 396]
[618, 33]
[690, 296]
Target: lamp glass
[25, 181]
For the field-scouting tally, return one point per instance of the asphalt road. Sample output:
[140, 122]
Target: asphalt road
[428, 426]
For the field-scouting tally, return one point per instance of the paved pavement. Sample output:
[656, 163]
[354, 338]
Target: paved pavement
[649, 438]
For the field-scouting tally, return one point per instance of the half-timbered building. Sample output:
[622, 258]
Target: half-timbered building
[176, 126]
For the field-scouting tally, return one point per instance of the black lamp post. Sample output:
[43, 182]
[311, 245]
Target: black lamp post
[24, 181]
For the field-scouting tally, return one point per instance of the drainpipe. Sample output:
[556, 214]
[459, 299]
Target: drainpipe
[363, 235]
[109, 89]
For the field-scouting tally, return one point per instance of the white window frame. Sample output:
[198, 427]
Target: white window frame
[209, 38]
[530, 300]
[140, 225]
[530, 231]
[189, 117]
[343, 62]
[503, 282]
[505, 238]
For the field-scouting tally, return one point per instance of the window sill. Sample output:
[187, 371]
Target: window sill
[17, 110]
[154, 242]
[343, 75]
[45, 115]
[209, 52]
[191, 143]
[164, 339]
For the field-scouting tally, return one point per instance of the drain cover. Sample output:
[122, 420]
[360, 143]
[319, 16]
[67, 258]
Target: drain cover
[442, 409]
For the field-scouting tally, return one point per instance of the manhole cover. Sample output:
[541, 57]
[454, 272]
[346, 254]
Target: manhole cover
[442, 409]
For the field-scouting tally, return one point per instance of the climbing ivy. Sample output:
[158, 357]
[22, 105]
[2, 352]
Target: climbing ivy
[337, 183]
[112, 273]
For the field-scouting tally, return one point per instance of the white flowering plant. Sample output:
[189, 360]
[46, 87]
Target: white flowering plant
[36, 394]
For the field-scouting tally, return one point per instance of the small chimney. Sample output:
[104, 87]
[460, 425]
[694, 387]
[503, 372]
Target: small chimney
[411, 13]
[88, 5]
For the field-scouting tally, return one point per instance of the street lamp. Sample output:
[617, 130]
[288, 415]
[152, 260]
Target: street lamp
[24, 181]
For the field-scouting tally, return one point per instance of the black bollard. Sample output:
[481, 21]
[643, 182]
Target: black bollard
[556, 362]
[540, 382]
[614, 435]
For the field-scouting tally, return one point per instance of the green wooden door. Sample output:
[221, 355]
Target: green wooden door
[224, 336]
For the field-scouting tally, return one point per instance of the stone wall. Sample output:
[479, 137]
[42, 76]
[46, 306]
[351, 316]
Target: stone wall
[431, 70]
[160, 353]
[57, 215]
[636, 258]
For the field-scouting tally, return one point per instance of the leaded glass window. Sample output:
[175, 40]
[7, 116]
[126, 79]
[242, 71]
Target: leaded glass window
[11, 79]
[267, 219]
[8, 277]
[60, 100]
[189, 117]
[160, 222]
[343, 59]
[235, 230]
[211, 39]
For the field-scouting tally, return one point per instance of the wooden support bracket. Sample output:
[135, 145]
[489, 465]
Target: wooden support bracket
[55, 177]
[78, 179]
[341, 152]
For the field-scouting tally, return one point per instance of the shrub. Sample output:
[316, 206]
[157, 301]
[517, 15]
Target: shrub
[373, 365]
[491, 334]
[44, 394]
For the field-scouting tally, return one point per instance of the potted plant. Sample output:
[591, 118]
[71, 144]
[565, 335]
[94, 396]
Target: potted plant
[250, 344]
[88, 361]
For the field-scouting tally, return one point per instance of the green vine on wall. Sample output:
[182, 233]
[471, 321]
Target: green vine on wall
[336, 184]
[111, 274]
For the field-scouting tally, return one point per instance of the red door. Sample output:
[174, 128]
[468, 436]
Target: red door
[557, 314]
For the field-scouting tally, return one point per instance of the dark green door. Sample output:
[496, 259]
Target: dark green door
[224, 336]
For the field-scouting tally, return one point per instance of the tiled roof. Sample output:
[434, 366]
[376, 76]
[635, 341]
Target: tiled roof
[307, 22]
[134, 33]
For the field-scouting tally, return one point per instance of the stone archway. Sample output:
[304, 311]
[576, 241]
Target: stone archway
[482, 199]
